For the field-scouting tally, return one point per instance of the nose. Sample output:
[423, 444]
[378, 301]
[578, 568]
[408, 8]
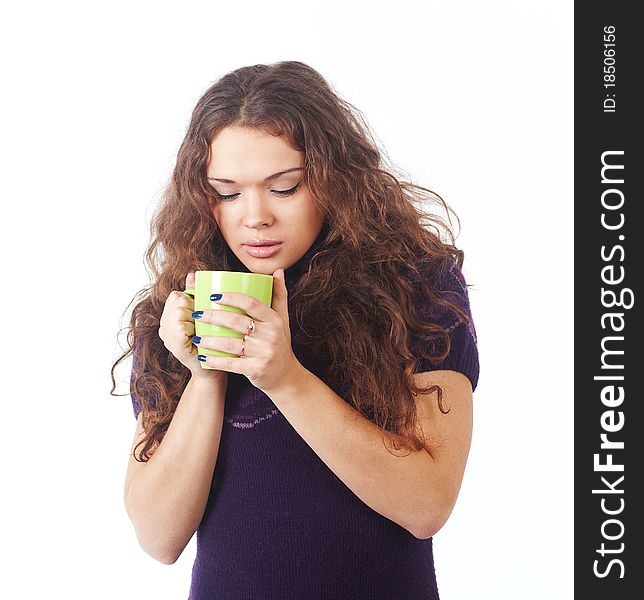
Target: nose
[257, 211]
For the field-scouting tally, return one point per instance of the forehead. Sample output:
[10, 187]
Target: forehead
[250, 154]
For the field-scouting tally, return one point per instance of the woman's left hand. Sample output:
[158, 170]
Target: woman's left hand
[268, 360]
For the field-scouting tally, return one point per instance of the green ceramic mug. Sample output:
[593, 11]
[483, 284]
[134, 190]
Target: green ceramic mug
[257, 285]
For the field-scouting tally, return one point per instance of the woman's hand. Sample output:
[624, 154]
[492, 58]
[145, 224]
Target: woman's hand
[177, 328]
[268, 361]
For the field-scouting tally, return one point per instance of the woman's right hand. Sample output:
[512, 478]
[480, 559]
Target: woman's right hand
[177, 328]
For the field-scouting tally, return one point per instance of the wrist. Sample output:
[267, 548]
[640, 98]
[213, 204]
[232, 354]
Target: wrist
[290, 387]
[209, 378]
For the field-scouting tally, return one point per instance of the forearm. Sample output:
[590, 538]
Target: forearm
[398, 487]
[167, 497]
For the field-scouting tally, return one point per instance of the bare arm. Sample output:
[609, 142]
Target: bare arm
[417, 491]
[166, 497]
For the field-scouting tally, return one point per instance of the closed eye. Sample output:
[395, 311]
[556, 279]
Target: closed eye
[278, 192]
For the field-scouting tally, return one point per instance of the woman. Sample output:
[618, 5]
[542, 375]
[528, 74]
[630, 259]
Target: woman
[319, 463]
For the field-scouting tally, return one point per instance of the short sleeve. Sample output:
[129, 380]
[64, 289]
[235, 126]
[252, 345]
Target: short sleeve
[463, 355]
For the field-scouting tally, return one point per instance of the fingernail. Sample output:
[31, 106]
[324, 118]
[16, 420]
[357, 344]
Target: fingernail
[215, 297]
[201, 357]
[197, 314]
[196, 339]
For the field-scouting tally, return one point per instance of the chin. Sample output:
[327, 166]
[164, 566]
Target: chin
[265, 266]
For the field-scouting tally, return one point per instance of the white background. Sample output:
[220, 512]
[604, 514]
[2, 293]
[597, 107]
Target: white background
[472, 99]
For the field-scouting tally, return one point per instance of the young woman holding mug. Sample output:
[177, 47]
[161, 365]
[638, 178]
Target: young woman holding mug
[319, 462]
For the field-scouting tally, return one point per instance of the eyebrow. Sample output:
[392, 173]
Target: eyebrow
[269, 178]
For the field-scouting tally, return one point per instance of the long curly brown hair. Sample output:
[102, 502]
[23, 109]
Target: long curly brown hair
[378, 228]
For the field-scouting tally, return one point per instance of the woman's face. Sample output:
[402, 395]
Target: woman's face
[261, 201]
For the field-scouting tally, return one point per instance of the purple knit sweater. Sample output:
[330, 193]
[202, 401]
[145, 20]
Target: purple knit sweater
[280, 525]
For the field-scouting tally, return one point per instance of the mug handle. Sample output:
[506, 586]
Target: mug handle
[190, 291]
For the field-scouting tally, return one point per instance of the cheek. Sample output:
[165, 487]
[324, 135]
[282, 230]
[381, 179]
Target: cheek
[217, 213]
[221, 222]
[313, 215]
[312, 209]
[226, 223]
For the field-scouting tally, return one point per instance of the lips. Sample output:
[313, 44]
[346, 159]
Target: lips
[263, 250]
[257, 242]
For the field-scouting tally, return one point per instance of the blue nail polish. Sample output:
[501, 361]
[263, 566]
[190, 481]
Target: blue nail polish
[197, 314]
[196, 339]
[201, 357]
[215, 297]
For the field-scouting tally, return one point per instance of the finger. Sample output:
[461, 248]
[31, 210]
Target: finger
[230, 364]
[280, 294]
[251, 306]
[185, 314]
[232, 345]
[185, 305]
[189, 329]
[190, 280]
[177, 297]
[232, 320]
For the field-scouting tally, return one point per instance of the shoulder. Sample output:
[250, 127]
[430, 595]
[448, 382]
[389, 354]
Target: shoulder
[447, 283]
[446, 280]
